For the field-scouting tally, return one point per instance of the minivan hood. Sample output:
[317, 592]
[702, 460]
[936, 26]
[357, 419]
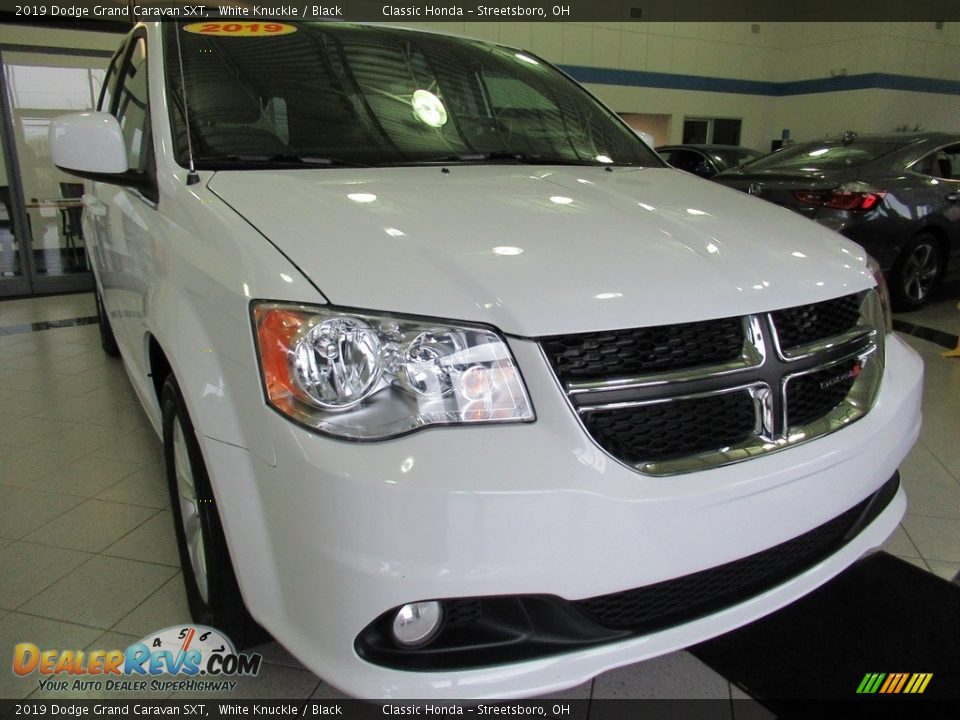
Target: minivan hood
[537, 250]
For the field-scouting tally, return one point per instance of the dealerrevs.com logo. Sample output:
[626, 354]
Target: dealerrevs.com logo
[186, 658]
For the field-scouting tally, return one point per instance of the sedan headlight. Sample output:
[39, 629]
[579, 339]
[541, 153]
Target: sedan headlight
[369, 377]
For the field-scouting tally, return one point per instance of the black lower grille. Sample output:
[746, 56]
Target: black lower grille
[805, 324]
[661, 431]
[810, 397]
[463, 611]
[692, 596]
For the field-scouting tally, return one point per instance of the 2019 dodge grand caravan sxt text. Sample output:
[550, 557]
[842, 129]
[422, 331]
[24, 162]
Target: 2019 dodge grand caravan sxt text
[463, 391]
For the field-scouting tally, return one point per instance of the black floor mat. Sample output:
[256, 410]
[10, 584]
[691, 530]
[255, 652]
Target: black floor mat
[883, 615]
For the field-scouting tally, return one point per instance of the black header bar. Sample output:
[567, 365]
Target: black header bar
[127, 11]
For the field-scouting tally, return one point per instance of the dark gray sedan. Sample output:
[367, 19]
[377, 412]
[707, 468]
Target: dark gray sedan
[706, 160]
[896, 195]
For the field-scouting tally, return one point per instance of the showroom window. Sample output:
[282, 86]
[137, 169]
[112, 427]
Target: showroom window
[714, 131]
[41, 237]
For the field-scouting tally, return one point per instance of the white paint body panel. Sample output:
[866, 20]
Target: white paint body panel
[358, 528]
[655, 245]
[529, 509]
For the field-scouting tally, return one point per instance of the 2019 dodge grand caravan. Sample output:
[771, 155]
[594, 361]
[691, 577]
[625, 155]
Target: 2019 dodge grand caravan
[463, 391]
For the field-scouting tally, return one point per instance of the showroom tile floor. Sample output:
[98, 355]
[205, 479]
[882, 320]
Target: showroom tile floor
[87, 552]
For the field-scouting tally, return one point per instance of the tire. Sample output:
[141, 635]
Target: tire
[108, 340]
[213, 594]
[916, 273]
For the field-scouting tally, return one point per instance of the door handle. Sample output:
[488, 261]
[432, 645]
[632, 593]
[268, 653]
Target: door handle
[91, 203]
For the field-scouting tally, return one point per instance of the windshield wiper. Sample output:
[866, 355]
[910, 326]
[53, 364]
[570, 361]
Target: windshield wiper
[520, 158]
[316, 160]
[285, 160]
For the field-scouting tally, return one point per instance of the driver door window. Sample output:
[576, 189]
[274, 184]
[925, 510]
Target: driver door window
[132, 107]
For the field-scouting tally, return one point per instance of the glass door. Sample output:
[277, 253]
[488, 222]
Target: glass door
[39, 86]
[13, 279]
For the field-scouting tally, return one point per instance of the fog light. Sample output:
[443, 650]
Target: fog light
[417, 622]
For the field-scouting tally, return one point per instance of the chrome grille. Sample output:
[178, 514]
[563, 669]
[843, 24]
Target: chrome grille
[666, 430]
[795, 374]
[596, 356]
[811, 396]
[806, 324]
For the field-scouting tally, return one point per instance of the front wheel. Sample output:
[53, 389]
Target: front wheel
[213, 594]
[916, 272]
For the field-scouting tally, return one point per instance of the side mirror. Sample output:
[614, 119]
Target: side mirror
[91, 145]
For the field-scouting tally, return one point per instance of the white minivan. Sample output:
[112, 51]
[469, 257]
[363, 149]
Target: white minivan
[463, 391]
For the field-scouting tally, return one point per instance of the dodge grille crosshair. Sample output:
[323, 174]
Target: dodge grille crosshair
[686, 397]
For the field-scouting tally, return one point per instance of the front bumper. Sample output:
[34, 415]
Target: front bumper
[338, 533]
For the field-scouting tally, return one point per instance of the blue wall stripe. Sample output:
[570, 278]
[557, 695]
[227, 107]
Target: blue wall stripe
[671, 81]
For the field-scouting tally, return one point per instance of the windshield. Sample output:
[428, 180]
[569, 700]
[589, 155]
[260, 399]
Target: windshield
[734, 157]
[824, 156]
[334, 94]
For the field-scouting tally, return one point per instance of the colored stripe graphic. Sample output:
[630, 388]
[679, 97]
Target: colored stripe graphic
[894, 683]
[919, 681]
[870, 683]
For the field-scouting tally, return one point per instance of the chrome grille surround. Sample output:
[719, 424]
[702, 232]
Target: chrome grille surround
[764, 370]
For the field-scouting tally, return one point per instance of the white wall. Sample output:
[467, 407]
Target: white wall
[756, 110]
[15, 34]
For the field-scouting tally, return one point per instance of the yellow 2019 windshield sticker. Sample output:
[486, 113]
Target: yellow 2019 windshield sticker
[240, 29]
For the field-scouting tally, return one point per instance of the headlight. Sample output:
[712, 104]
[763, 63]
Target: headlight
[369, 377]
[883, 293]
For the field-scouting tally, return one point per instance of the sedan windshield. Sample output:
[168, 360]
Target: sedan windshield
[340, 95]
[734, 157]
[812, 157]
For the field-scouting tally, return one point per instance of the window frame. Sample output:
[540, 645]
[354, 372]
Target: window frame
[110, 81]
[142, 181]
[916, 165]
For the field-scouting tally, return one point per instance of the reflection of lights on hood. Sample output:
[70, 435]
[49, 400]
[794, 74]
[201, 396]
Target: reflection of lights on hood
[604, 159]
[694, 211]
[507, 250]
[818, 153]
[798, 254]
[394, 232]
[608, 296]
[561, 200]
[711, 248]
[362, 197]
[526, 59]
[407, 465]
[429, 108]
[286, 278]
[651, 208]
[585, 182]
